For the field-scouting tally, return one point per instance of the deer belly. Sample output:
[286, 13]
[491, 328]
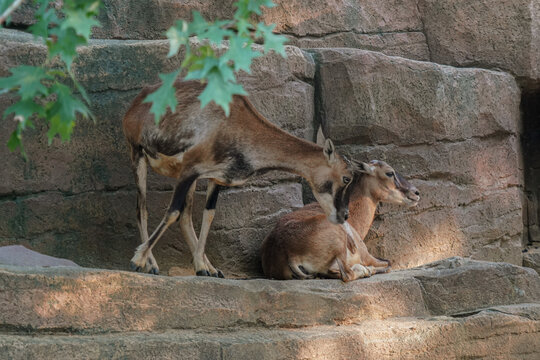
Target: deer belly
[170, 166]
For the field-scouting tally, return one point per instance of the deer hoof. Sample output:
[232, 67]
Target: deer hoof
[202, 273]
[220, 274]
[134, 267]
[154, 271]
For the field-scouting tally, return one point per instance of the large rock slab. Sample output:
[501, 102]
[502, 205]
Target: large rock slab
[54, 300]
[369, 98]
[371, 25]
[454, 132]
[501, 34]
[503, 332]
[89, 179]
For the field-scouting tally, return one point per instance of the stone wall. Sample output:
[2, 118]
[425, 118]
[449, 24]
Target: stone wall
[454, 130]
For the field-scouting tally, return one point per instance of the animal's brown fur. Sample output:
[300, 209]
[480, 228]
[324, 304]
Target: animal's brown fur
[305, 240]
[193, 143]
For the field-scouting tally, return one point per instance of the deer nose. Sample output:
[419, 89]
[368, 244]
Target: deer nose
[417, 192]
[346, 215]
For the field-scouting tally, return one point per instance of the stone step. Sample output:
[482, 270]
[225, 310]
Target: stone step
[96, 301]
[500, 332]
[308, 23]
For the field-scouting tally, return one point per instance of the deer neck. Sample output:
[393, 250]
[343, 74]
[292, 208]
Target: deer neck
[362, 207]
[277, 149]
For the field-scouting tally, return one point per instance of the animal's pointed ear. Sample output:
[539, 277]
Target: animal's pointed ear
[320, 137]
[329, 151]
[363, 167]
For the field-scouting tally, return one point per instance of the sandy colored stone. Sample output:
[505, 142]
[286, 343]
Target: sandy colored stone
[411, 45]
[501, 34]
[99, 229]
[531, 259]
[492, 333]
[370, 98]
[90, 301]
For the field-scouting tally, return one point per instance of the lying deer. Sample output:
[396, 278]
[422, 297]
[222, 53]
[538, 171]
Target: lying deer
[304, 244]
[193, 143]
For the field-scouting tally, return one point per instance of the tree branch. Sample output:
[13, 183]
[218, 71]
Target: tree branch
[9, 10]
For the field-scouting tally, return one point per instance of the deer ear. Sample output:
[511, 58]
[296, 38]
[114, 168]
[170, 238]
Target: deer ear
[363, 167]
[320, 137]
[329, 151]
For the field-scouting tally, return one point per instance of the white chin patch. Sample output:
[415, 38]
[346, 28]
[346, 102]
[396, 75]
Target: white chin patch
[333, 217]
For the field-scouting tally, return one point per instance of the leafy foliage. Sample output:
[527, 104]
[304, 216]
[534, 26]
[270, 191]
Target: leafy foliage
[207, 61]
[41, 89]
[45, 92]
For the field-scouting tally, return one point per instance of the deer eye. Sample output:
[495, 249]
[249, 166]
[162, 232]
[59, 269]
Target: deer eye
[346, 180]
[389, 174]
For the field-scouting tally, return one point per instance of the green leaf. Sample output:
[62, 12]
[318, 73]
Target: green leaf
[25, 108]
[272, 41]
[164, 97]
[177, 36]
[15, 141]
[65, 45]
[62, 113]
[215, 33]
[44, 20]
[255, 5]
[79, 21]
[241, 53]
[66, 105]
[220, 91]
[198, 25]
[27, 79]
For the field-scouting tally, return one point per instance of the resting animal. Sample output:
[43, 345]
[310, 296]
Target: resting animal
[304, 244]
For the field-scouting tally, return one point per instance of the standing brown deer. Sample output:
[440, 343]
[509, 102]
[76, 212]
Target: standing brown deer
[303, 244]
[193, 143]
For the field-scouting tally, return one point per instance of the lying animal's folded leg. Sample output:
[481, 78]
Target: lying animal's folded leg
[298, 273]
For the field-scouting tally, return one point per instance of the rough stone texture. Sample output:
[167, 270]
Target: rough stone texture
[530, 110]
[18, 255]
[372, 25]
[411, 45]
[77, 199]
[454, 132]
[66, 299]
[532, 259]
[491, 34]
[494, 333]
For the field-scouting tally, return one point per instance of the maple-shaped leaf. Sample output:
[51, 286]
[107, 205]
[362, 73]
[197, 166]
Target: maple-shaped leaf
[65, 44]
[241, 53]
[220, 91]
[63, 111]
[164, 97]
[80, 22]
[27, 80]
[271, 41]
[25, 108]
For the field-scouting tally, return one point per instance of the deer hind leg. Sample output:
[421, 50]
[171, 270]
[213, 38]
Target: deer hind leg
[203, 267]
[298, 273]
[140, 170]
[176, 208]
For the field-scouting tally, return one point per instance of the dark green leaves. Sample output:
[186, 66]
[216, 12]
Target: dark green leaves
[208, 61]
[26, 80]
[42, 92]
[164, 97]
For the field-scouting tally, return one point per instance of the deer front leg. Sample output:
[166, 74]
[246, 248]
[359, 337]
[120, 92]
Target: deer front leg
[203, 267]
[140, 170]
[176, 208]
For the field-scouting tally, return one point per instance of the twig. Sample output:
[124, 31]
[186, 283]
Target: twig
[9, 10]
